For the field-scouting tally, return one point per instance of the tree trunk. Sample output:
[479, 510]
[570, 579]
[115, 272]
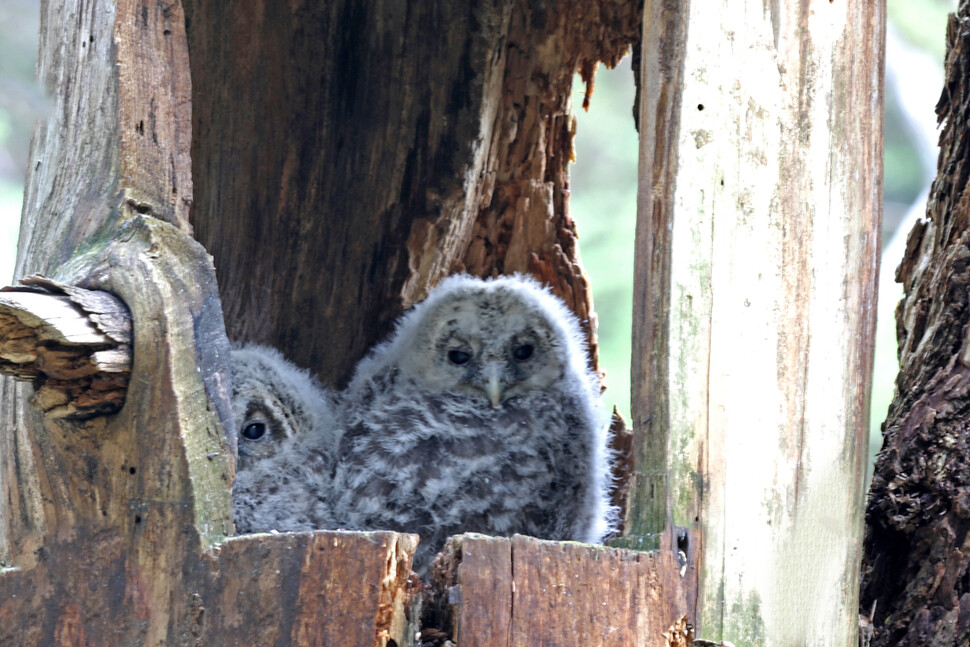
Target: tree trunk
[915, 567]
[349, 155]
[345, 157]
[757, 246]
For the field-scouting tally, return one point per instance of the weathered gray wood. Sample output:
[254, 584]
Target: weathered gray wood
[111, 150]
[757, 251]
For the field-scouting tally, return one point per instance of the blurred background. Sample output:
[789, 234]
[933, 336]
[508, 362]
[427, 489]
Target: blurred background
[603, 192]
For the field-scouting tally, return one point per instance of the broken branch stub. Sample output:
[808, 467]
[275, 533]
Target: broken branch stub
[73, 343]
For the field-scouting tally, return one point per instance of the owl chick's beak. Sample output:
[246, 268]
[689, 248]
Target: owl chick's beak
[494, 387]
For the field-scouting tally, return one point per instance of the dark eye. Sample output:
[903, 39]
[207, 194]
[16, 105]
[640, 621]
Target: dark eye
[254, 430]
[523, 352]
[458, 356]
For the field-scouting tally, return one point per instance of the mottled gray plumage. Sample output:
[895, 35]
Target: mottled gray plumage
[287, 441]
[479, 414]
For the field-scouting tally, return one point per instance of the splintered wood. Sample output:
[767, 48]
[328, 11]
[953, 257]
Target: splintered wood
[497, 592]
[74, 344]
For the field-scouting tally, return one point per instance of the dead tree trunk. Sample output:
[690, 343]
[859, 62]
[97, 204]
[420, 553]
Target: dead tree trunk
[915, 568]
[409, 140]
[754, 308]
[343, 158]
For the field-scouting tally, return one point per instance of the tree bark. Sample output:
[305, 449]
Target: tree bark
[915, 566]
[757, 252]
[348, 155]
[114, 527]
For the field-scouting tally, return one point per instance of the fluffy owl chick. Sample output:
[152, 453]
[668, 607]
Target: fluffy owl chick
[287, 440]
[479, 414]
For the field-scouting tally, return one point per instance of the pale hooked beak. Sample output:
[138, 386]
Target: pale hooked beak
[494, 387]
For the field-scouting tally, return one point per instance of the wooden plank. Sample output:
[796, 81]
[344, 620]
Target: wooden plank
[523, 592]
[757, 252]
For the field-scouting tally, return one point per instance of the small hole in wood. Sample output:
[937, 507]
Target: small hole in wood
[131, 470]
[682, 541]
[137, 518]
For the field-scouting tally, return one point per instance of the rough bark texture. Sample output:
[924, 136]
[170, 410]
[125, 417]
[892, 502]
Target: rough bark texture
[115, 526]
[754, 308]
[521, 592]
[917, 543]
[348, 155]
[109, 165]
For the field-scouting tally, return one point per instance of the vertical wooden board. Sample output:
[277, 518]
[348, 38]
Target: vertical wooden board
[523, 592]
[773, 230]
[664, 36]
[484, 574]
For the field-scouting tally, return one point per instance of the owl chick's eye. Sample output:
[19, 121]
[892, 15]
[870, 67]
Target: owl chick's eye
[458, 356]
[254, 430]
[523, 352]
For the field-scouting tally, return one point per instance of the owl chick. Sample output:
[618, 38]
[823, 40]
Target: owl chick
[479, 414]
[287, 440]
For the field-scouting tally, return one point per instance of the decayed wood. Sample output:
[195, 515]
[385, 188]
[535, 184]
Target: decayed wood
[523, 224]
[73, 344]
[300, 589]
[519, 592]
[757, 250]
[409, 140]
[389, 147]
[111, 523]
[916, 569]
[108, 164]
[621, 448]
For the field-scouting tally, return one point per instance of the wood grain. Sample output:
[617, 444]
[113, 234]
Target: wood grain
[349, 155]
[757, 256]
[300, 589]
[522, 592]
[73, 345]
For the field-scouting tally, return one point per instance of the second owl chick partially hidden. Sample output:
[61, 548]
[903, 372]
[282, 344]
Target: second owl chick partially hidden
[478, 414]
[287, 439]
